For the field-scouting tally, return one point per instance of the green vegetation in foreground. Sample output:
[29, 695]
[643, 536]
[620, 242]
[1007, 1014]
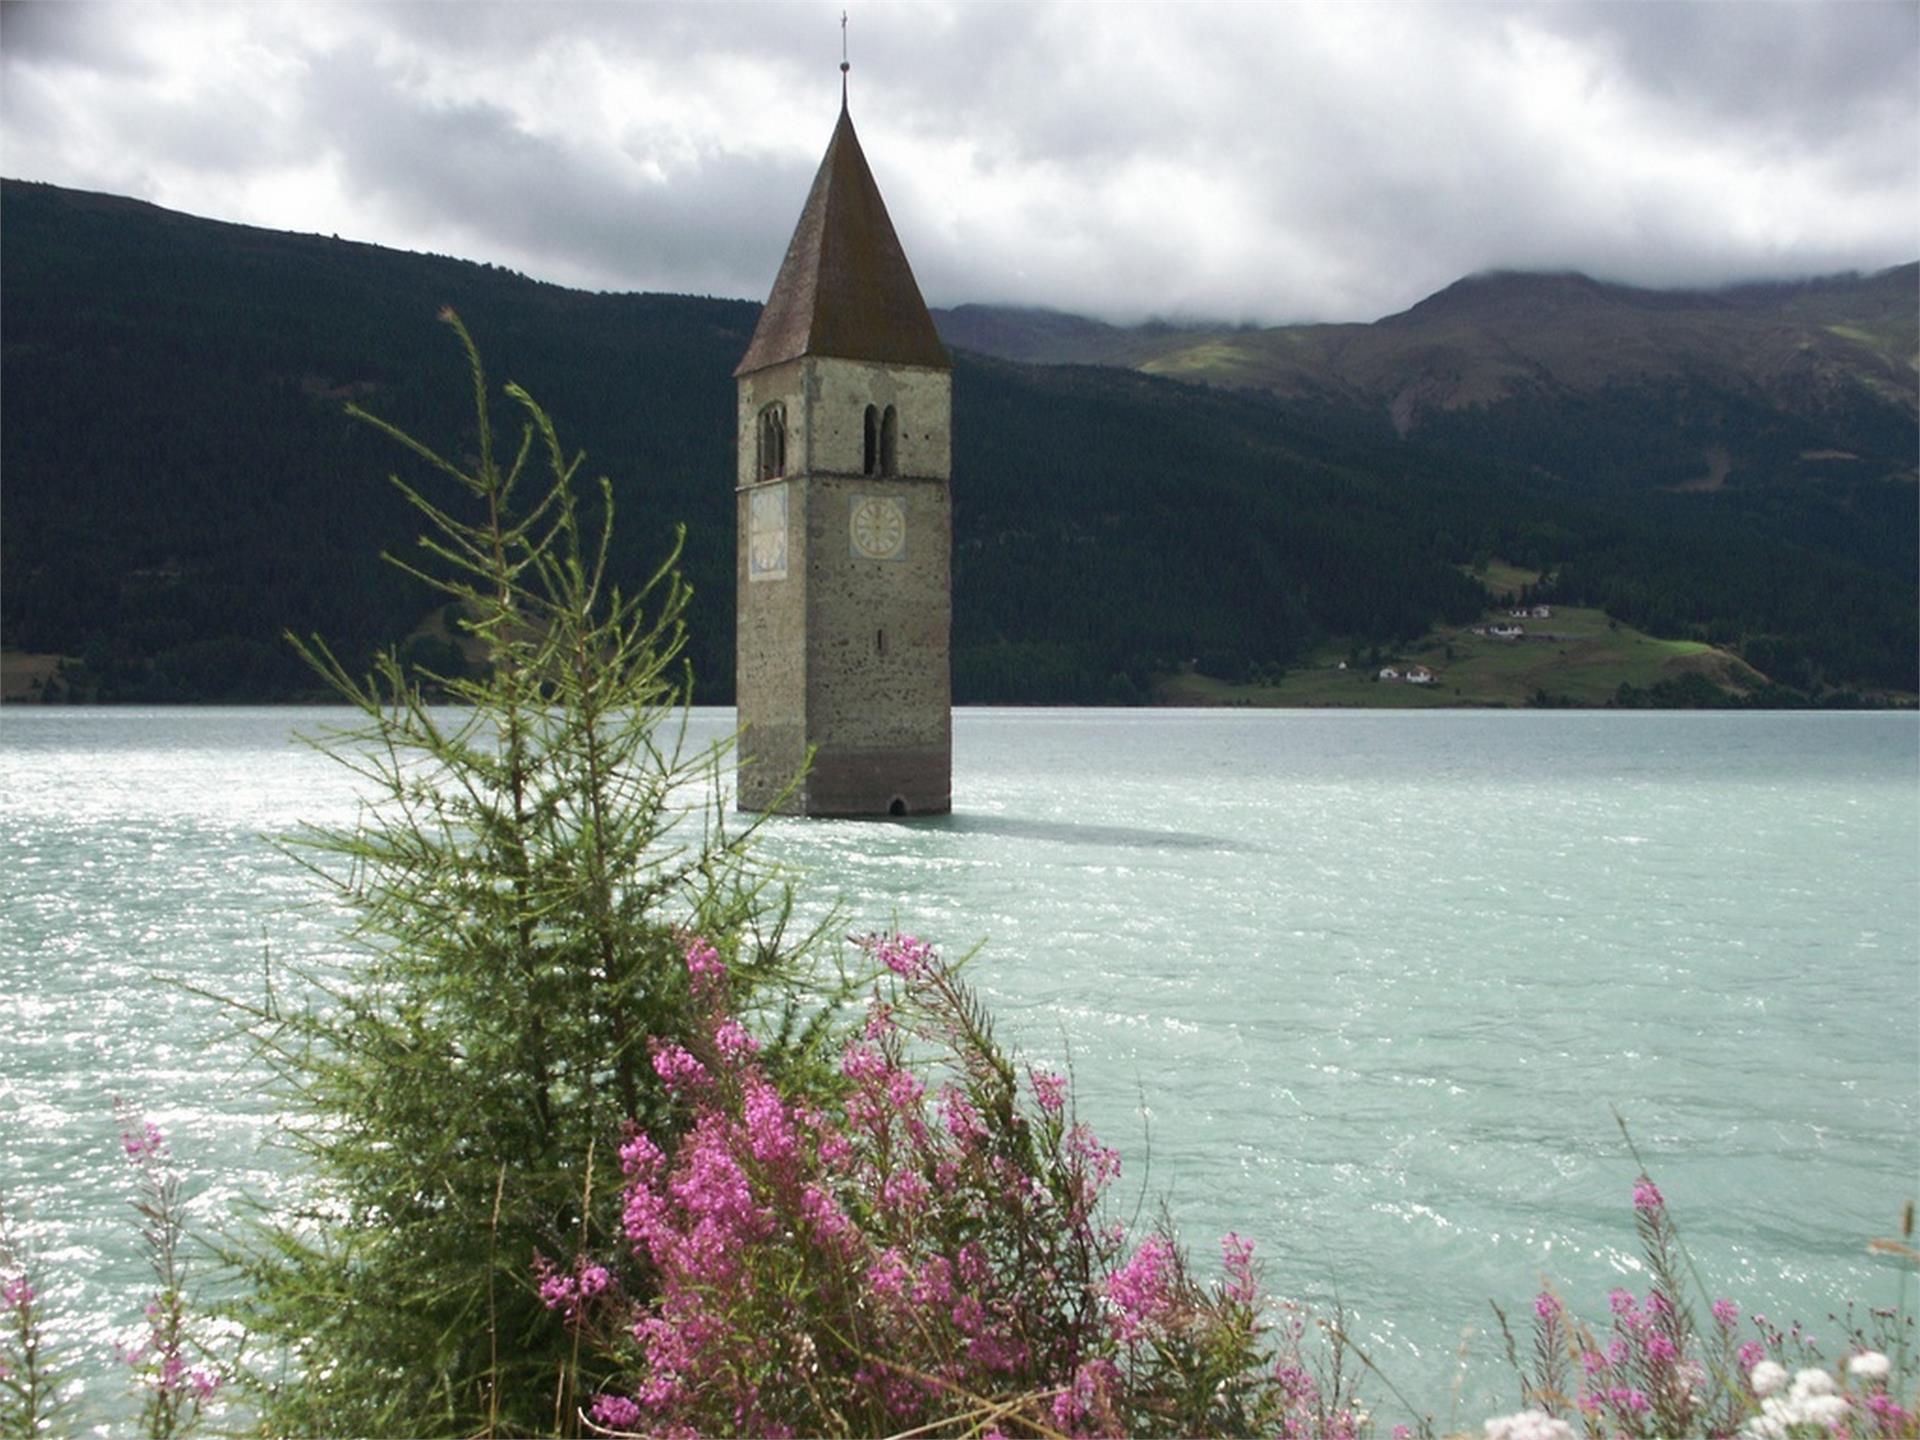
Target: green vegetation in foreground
[520, 885]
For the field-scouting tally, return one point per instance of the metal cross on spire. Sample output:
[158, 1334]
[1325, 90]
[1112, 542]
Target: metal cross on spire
[844, 67]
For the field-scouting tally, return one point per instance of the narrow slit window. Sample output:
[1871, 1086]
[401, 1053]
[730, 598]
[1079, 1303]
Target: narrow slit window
[871, 453]
[880, 642]
[890, 442]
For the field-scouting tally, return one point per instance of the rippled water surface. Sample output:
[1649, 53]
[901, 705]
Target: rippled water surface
[1367, 987]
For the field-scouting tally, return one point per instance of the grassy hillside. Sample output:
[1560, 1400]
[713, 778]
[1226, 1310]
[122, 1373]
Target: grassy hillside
[1580, 656]
[181, 487]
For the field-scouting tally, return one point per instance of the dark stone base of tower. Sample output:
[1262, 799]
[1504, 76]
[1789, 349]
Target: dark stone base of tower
[853, 785]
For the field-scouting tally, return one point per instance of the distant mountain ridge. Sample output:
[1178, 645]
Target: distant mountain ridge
[1838, 354]
[181, 485]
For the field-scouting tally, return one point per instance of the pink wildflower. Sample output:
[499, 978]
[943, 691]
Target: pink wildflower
[144, 1143]
[1104, 1164]
[769, 1133]
[568, 1294]
[733, 1041]
[888, 1276]
[835, 1150]
[677, 1068]
[905, 955]
[1296, 1384]
[996, 1350]
[1661, 1350]
[1237, 1256]
[1138, 1289]
[556, 1293]
[1546, 1305]
[615, 1412]
[640, 1157]
[1894, 1419]
[1646, 1196]
[934, 1287]
[905, 1192]
[708, 1181]
[1049, 1091]
[970, 1315]
[823, 1213]
[1751, 1354]
[1726, 1313]
[963, 1121]
[904, 1091]
[1087, 1396]
[974, 1269]
[862, 1063]
[704, 964]
[19, 1293]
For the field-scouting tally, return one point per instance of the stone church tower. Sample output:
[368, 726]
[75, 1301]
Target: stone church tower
[845, 524]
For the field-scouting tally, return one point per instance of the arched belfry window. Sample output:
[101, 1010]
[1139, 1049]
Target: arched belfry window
[890, 442]
[870, 461]
[773, 442]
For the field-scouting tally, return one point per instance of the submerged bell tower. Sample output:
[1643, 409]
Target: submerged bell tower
[845, 520]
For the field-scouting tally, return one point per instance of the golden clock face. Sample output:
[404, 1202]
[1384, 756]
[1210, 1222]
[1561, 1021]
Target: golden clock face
[878, 527]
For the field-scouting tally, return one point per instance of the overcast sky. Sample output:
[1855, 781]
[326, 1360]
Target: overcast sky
[1269, 162]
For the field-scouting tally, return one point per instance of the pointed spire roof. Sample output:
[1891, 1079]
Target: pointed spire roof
[845, 288]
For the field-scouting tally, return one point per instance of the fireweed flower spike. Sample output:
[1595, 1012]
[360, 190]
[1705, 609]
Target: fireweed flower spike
[1049, 1092]
[174, 1389]
[854, 1256]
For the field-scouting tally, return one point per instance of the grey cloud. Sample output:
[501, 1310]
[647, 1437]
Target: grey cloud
[45, 33]
[1363, 163]
[543, 206]
[1809, 68]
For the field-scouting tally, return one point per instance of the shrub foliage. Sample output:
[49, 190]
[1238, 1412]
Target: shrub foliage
[517, 881]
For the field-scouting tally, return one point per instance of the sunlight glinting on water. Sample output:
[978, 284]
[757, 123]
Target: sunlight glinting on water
[1366, 988]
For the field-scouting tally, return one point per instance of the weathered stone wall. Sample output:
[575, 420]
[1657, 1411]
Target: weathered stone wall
[770, 649]
[837, 395]
[878, 630]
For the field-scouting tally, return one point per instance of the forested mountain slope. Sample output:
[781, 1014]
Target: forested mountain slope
[1766, 370]
[181, 486]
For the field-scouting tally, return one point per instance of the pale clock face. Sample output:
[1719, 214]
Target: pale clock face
[767, 534]
[878, 527]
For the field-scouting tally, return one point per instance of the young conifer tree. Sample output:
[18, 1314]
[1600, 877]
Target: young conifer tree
[532, 851]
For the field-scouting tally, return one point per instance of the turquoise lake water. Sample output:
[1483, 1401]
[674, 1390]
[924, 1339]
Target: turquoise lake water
[1365, 987]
